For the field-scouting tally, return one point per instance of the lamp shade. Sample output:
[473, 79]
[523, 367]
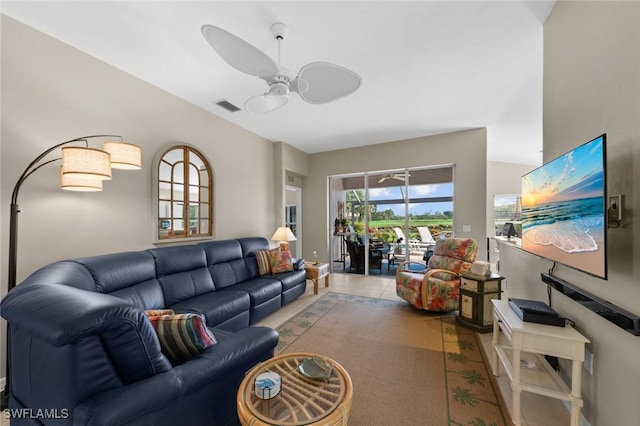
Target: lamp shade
[125, 156]
[283, 234]
[86, 161]
[80, 182]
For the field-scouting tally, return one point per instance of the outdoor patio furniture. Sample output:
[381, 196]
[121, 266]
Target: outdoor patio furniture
[356, 255]
[415, 246]
[426, 237]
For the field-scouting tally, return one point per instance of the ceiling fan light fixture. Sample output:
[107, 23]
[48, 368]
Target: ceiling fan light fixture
[261, 104]
[278, 89]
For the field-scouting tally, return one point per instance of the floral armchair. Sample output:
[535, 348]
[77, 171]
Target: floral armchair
[436, 289]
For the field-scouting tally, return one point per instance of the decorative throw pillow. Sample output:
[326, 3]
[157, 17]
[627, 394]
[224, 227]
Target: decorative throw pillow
[182, 336]
[281, 261]
[264, 261]
[158, 312]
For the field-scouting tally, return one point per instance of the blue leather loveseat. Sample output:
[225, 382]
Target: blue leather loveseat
[83, 351]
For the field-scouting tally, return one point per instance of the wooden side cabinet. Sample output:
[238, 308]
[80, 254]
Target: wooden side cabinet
[475, 295]
[317, 271]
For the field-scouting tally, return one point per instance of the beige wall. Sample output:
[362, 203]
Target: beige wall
[466, 149]
[289, 162]
[52, 93]
[592, 86]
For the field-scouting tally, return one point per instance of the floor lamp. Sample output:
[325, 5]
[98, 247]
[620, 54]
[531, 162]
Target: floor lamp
[83, 169]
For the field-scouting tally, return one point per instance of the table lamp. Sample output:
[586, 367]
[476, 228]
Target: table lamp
[283, 235]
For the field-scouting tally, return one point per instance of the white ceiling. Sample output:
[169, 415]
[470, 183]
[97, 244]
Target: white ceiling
[427, 67]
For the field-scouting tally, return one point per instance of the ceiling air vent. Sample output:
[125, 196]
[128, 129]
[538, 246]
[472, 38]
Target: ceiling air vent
[223, 103]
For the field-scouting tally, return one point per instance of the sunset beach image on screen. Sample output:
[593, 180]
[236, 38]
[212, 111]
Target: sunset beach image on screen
[563, 209]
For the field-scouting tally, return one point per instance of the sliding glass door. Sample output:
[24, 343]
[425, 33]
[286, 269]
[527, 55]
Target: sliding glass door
[386, 211]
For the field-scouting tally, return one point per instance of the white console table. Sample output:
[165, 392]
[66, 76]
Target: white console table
[521, 348]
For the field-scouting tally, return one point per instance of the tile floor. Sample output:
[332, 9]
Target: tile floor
[536, 410]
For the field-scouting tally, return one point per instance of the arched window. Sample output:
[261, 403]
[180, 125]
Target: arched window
[185, 194]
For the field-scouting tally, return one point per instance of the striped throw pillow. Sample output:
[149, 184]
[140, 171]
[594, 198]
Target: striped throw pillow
[182, 336]
[263, 257]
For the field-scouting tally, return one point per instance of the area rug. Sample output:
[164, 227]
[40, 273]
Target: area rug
[408, 367]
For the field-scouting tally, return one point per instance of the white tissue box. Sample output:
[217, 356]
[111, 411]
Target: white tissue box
[481, 268]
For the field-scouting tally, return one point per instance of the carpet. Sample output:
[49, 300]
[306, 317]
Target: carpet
[408, 367]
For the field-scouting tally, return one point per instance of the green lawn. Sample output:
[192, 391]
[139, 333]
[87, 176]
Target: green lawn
[382, 229]
[438, 223]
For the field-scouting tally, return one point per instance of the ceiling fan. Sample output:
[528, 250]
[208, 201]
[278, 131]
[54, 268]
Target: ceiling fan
[396, 176]
[316, 83]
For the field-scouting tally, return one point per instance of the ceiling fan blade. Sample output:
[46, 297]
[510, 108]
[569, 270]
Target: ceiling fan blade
[298, 85]
[238, 53]
[265, 103]
[327, 82]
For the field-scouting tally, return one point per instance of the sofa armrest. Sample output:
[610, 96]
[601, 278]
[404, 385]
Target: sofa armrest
[298, 264]
[60, 315]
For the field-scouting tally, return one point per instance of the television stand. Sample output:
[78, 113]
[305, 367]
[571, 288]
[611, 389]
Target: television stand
[521, 348]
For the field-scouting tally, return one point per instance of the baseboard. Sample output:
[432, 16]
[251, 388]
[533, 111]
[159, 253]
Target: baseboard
[583, 419]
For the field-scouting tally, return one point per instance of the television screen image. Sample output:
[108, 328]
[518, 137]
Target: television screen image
[563, 209]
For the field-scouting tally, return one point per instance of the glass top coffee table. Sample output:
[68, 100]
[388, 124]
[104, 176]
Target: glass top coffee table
[302, 400]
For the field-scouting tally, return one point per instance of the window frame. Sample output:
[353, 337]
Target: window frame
[160, 221]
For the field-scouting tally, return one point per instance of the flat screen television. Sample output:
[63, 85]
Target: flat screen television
[564, 216]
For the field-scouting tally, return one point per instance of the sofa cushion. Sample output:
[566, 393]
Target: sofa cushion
[146, 295]
[260, 289]
[112, 272]
[226, 264]
[291, 279]
[234, 354]
[222, 251]
[232, 272]
[182, 272]
[249, 245]
[130, 276]
[216, 306]
[280, 261]
[182, 336]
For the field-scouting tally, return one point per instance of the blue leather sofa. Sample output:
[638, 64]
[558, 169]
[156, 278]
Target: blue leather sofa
[83, 351]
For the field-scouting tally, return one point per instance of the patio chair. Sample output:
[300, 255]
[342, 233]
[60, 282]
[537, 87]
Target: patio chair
[356, 256]
[437, 288]
[415, 246]
[426, 237]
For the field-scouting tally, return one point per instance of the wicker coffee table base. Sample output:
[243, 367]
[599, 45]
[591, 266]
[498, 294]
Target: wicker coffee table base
[301, 401]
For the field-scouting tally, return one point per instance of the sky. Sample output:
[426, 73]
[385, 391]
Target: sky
[415, 191]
